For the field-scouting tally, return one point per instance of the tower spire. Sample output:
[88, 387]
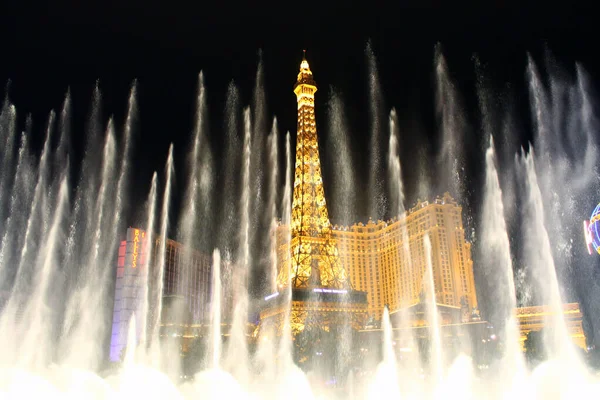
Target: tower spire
[314, 253]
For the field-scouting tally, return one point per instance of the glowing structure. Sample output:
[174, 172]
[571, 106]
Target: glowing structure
[391, 271]
[315, 259]
[321, 291]
[384, 260]
[186, 289]
[591, 230]
[533, 318]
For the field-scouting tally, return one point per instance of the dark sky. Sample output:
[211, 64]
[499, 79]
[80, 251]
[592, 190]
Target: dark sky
[47, 48]
[164, 44]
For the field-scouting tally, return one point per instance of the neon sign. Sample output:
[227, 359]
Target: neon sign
[323, 290]
[271, 296]
[588, 236]
[137, 237]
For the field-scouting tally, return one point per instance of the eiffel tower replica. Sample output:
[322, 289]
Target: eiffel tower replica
[321, 292]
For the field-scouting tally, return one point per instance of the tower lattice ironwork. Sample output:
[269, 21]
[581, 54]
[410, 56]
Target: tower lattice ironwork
[314, 257]
[310, 265]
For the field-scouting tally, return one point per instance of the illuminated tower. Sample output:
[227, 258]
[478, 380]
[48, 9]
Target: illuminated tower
[315, 261]
[321, 294]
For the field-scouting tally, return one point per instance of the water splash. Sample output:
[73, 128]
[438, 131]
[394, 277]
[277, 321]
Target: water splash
[196, 206]
[339, 148]
[82, 324]
[231, 165]
[54, 307]
[145, 299]
[215, 319]
[406, 285]
[237, 349]
[8, 118]
[499, 269]
[285, 347]
[36, 315]
[450, 121]
[386, 378]
[540, 261]
[378, 203]
[156, 293]
[435, 350]
[272, 142]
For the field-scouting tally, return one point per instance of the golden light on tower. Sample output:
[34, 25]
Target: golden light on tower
[309, 261]
[314, 256]
[332, 276]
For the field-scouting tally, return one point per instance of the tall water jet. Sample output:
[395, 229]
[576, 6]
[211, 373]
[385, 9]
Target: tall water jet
[158, 275]
[272, 141]
[550, 157]
[338, 146]
[566, 151]
[80, 240]
[197, 208]
[20, 202]
[397, 200]
[285, 349]
[120, 200]
[130, 350]
[144, 299]
[65, 286]
[35, 231]
[231, 164]
[378, 205]
[37, 317]
[452, 126]
[197, 192]
[424, 185]
[538, 253]
[237, 352]
[266, 350]
[124, 170]
[215, 312]
[188, 220]
[435, 349]
[8, 119]
[386, 382]
[394, 166]
[63, 148]
[589, 124]
[106, 189]
[498, 268]
[81, 324]
[13, 241]
[244, 258]
[258, 176]
[389, 355]
[120, 203]
[83, 213]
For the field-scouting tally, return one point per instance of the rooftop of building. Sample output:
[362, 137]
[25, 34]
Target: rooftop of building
[541, 310]
[445, 199]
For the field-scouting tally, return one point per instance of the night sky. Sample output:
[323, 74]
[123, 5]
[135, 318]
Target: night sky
[71, 44]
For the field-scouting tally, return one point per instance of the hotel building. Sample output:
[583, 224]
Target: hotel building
[310, 267]
[363, 268]
[387, 260]
[186, 288]
[534, 318]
